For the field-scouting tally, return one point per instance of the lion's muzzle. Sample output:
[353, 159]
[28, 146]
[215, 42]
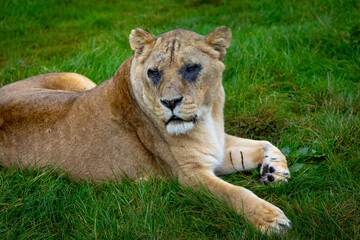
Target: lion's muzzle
[178, 115]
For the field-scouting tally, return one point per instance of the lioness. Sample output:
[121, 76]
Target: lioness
[162, 111]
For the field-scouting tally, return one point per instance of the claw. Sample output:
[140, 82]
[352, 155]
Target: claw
[265, 169]
[285, 225]
[271, 178]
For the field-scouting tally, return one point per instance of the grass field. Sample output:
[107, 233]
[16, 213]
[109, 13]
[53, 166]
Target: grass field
[292, 77]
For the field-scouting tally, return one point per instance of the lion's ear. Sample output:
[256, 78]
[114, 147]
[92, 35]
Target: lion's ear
[139, 38]
[219, 39]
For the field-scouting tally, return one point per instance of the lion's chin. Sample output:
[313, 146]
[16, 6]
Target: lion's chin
[179, 127]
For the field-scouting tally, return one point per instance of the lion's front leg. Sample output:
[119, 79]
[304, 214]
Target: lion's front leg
[261, 213]
[244, 154]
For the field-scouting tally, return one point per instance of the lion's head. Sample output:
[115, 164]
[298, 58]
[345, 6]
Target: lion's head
[177, 75]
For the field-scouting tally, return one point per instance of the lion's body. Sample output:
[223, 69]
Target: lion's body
[162, 111]
[41, 126]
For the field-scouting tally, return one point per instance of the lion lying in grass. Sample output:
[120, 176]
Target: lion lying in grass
[162, 111]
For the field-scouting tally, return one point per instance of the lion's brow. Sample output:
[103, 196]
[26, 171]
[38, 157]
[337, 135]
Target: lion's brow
[171, 48]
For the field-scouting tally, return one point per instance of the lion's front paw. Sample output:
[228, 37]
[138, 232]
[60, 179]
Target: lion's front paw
[269, 218]
[274, 167]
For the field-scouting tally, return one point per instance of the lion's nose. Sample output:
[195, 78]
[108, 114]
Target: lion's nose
[171, 103]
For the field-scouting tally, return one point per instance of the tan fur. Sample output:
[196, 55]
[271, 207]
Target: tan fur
[123, 126]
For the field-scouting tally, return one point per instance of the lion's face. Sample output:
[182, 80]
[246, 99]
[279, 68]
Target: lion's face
[177, 75]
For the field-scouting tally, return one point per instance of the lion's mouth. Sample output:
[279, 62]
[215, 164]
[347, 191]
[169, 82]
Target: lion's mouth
[175, 119]
[176, 125]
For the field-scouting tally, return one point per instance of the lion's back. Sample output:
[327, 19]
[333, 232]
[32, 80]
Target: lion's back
[44, 95]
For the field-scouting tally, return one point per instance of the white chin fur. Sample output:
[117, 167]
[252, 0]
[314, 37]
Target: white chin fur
[179, 127]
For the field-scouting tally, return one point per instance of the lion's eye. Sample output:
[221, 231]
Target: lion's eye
[155, 75]
[153, 72]
[190, 71]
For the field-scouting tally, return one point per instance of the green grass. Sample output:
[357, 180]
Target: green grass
[292, 77]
